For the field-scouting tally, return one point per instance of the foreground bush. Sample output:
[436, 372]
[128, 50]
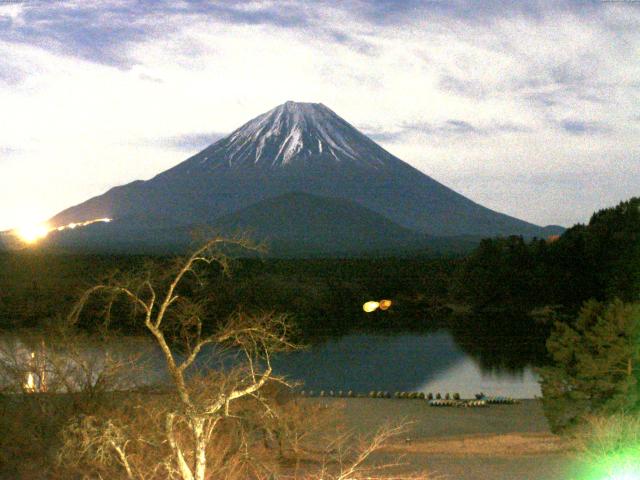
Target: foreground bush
[609, 447]
[596, 365]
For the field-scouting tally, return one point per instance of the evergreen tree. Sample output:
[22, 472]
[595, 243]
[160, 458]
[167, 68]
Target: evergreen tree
[614, 240]
[498, 275]
[596, 364]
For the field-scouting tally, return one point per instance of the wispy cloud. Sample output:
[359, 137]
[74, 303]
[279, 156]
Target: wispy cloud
[447, 130]
[6, 152]
[93, 31]
[102, 31]
[190, 142]
[580, 127]
[463, 90]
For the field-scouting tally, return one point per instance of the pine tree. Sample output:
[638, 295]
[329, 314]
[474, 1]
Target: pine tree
[596, 364]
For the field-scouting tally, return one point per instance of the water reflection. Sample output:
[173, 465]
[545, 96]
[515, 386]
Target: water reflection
[490, 355]
[501, 343]
[410, 362]
[467, 378]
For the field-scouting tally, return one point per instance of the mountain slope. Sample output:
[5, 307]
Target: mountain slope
[296, 147]
[291, 225]
[302, 223]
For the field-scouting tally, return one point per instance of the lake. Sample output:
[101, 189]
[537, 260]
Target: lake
[422, 362]
[426, 363]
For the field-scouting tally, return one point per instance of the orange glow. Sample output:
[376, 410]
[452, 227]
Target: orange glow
[385, 304]
[32, 233]
[30, 384]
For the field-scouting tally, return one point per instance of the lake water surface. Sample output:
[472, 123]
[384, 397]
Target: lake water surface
[422, 362]
[429, 362]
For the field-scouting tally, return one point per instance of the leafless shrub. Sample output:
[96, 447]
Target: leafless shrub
[229, 420]
[64, 360]
[201, 406]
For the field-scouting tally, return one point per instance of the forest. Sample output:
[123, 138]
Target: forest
[566, 304]
[600, 260]
[510, 285]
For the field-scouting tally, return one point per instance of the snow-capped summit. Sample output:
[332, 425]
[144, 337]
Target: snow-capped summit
[294, 133]
[295, 147]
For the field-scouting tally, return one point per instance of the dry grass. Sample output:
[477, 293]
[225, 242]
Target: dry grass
[506, 445]
[607, 436]
[47, 436]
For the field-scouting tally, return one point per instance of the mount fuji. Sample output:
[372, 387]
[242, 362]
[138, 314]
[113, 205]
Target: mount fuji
[305, 154]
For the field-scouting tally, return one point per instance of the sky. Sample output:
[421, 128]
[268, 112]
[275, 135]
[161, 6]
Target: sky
[531, 108]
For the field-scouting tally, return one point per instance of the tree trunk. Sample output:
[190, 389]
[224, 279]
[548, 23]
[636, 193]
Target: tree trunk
[201, 444]
[183, 468]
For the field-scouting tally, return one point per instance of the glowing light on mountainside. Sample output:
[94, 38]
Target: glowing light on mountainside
[34, 232]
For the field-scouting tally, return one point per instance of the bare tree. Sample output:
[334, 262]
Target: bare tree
[60, 359]
[205, 422]
[177, 325]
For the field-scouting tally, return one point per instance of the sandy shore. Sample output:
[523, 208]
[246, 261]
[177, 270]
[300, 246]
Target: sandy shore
[495, 442]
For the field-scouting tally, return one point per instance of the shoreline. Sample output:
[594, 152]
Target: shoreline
[501, 442]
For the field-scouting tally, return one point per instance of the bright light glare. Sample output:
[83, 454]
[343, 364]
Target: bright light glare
[32, 233]
[624, 465]
[30, 384]
[627, 474]
[370, 306]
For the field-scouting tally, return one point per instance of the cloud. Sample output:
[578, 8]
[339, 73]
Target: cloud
[102, 31]
[11, 76]
[461, 90]
[447, 130]
[463, 86]
[191, 142]
[6, 152]
[567, 196]
[277, 14]
[95, 31]
[385, 12]
[579, 127]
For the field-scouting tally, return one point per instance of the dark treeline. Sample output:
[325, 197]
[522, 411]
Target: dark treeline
[520, 291]
[600, 260]
[498, 302]
[323, 296]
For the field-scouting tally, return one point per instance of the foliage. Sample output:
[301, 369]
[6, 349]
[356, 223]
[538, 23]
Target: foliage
[176, 322]
[596, 364]
[70, 377]
[30, 427]
[608, 446]
[36, 286]
[322, 296]
[604, 436]
[615, 243]
[500, 272]
[600, 260]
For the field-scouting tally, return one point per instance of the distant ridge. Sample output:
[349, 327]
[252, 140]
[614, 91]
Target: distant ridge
[291, 225]
[310, 223]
